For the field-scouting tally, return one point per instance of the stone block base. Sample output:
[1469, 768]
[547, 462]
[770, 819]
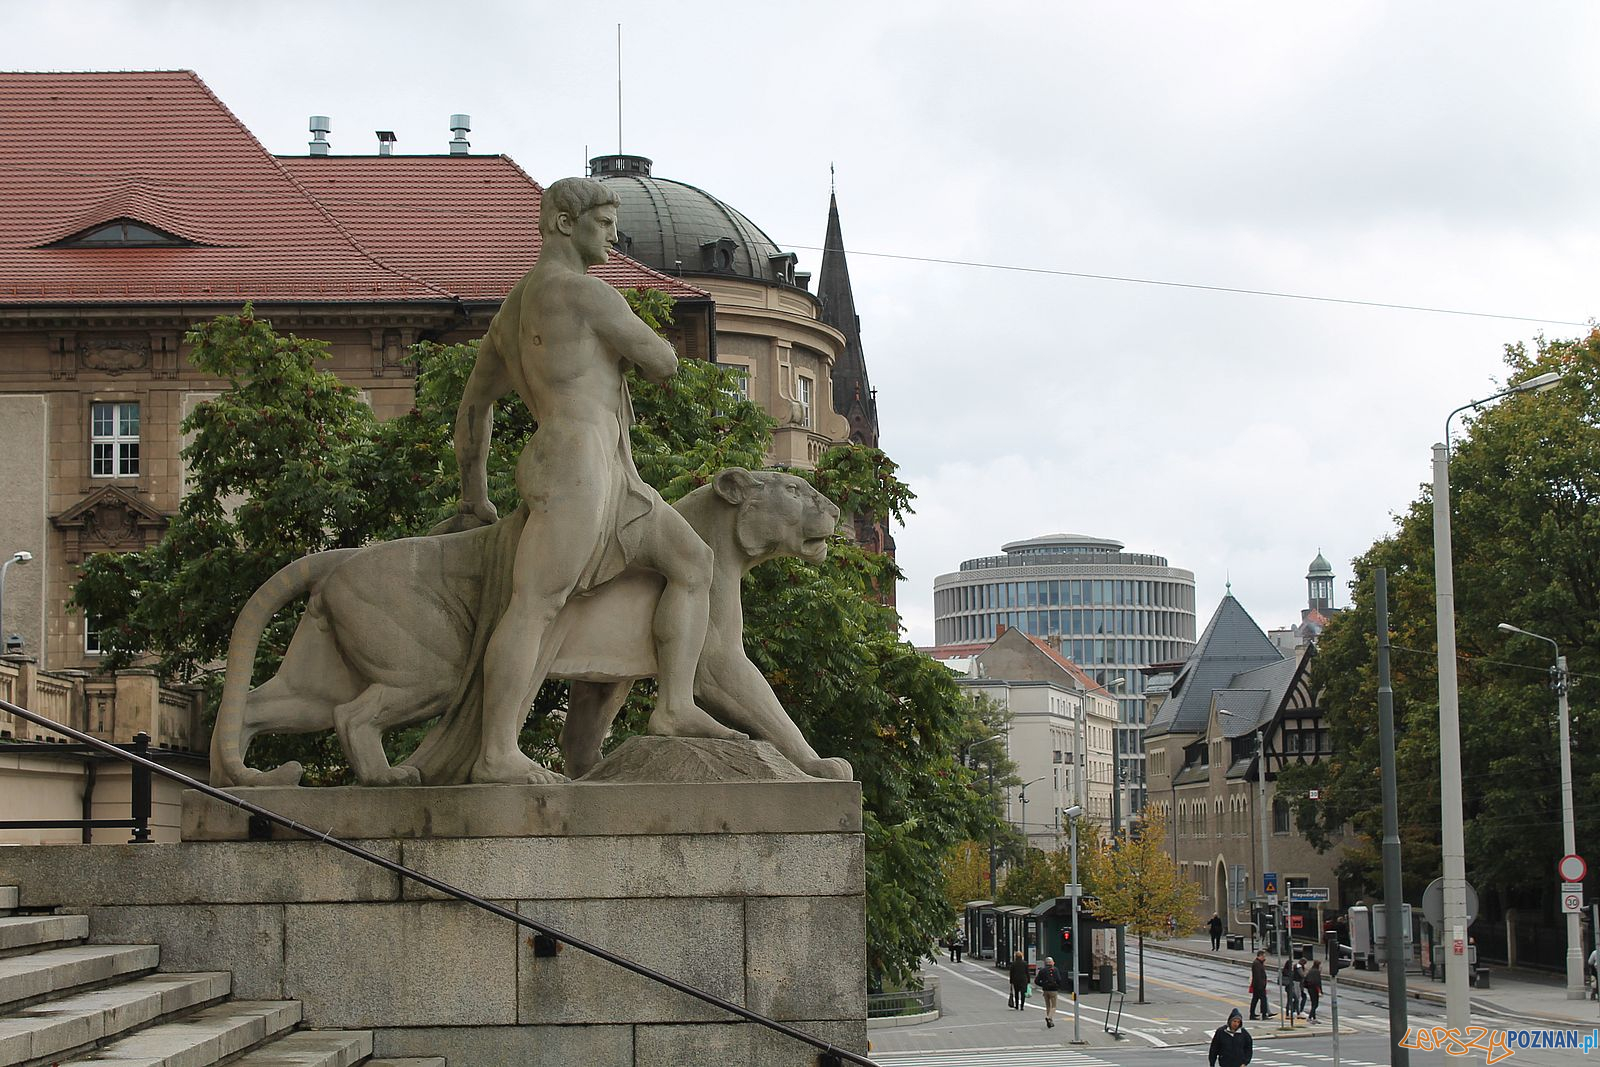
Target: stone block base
[751, 891]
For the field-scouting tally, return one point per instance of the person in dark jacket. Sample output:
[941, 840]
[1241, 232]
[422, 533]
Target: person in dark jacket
[1314, 988]
[1231, 1045]
[1019, 982]
[1258, 986]
[1215, 926]
[1048, 979]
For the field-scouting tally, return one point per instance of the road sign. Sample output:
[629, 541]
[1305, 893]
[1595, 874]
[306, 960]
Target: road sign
[1072, 889]
[1296, 921]
[1433, 903]
[1314, 794]
[1571, 903]
[1572, 887]
[1307, 894]
[1572, 868]
[1269, 883]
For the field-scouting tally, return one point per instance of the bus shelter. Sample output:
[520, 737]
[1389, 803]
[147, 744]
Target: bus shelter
[978, 922]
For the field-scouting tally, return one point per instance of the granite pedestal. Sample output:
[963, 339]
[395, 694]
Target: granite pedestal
[753, 891]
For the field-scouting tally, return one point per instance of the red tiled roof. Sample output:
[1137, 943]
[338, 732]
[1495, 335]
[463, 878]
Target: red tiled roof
[1084, 681]
[469, 223]
[79, 149]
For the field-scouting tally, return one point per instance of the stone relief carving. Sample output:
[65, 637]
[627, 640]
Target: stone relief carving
[114, 355]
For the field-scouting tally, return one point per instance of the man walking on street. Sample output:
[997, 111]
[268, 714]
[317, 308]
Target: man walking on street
[1314, 988]
[1048, 979]
[1258, 986]
[1215, 926]
[1019, 982]
[1231, 1045]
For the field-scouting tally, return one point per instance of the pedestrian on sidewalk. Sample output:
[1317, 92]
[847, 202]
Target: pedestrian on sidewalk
[1314, 988]
[1048, 979]
[1231, 1045]
[1019, 982]
[950, 943]
[1215, 926]
[1290, 978]
[1258, 986]
[960, 945]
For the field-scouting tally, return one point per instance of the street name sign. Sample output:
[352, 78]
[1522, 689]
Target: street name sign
[1307, 894]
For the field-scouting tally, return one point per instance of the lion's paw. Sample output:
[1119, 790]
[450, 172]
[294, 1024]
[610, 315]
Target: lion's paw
[833, 767]
[402, 776]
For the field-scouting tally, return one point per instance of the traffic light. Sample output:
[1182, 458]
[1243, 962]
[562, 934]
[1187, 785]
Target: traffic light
[1339, 956]
[1066, 940]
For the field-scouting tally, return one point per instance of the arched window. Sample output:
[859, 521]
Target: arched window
[122, 233]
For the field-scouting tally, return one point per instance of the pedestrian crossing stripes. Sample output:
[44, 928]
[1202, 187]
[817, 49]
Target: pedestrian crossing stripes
[1038, 1056]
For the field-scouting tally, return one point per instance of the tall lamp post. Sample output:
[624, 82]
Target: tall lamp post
[18, 557]
[1569, 836]
[1022, 820]
[1457, 1002]
[1261, 806]
[1076, 892]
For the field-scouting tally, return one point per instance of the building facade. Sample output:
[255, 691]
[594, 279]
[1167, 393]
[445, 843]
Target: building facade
[150, 208]
[1223, 724]
[1111, 612]
[1060, 735]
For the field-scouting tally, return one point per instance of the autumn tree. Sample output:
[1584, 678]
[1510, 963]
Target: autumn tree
[1135, 883]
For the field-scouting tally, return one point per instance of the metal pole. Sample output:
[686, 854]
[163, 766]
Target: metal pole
[1393, 897]
[993, 889]
[1077, 1001]
[1569, 839]
[1266, 856]
[1458, 1005]
[3, 568]
[1116, 831]
[1333, 1011]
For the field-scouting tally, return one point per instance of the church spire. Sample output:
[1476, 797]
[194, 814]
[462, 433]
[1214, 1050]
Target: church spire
[852, 391]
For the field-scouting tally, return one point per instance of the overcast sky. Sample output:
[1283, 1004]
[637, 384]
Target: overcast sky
[1438, 154]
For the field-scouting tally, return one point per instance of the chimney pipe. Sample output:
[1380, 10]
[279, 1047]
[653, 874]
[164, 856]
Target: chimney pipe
[319, 126]
[460, 125]
[386, 140]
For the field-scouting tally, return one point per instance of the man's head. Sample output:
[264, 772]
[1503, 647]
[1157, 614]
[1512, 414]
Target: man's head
[1261, 953]
[1235, 1020]
[583, 211]
[1050, 961]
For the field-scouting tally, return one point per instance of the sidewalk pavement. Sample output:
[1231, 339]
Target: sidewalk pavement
[1522, 994]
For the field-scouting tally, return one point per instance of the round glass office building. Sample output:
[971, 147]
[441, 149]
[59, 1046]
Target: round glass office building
[1111, 612]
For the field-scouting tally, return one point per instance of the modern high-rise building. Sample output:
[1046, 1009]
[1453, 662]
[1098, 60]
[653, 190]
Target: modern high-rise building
[1111, 612]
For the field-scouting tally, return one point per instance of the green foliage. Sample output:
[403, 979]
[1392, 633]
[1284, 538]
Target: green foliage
[1042, 875]
[966, 875]
[288, 461]
[1525, 522]
[1134, 882]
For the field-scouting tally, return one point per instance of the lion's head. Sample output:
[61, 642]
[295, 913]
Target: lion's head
[777, 514]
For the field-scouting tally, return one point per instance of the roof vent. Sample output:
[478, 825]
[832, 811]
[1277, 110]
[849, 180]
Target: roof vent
[460, 125]
[386, 140]
[320, 125]
[619, 167]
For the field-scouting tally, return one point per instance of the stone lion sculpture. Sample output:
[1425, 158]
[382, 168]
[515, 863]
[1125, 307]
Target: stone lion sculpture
[391, 637]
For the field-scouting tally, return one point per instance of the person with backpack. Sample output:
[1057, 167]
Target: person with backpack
[1289, 978]
[1048, 979]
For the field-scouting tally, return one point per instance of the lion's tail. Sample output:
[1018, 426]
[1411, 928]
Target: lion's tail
[227, 755]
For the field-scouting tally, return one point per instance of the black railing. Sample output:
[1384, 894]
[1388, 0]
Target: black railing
[828, 1055]
[139, 822]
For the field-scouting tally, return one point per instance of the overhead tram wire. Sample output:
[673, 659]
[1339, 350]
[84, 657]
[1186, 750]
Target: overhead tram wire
[1238, 290]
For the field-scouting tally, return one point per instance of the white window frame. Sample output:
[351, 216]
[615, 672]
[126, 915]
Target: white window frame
[91, 636]
[805, 391]
[120, 460]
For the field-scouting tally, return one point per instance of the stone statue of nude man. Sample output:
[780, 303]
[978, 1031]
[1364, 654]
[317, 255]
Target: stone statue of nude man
[562, 340]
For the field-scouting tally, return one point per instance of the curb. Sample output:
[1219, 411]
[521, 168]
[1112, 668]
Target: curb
[1428, 996]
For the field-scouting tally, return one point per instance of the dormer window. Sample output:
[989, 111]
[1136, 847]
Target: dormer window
[123, 233]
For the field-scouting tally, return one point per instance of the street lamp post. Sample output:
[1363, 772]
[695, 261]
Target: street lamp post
[1261, 806]
[1076, 891]
[1458, 1006]
[1569, 836]
[17, 557]
[1022, 820]
[1122, 931]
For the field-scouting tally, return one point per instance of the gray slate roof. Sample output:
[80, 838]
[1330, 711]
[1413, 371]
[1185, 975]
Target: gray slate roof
[1231, 645]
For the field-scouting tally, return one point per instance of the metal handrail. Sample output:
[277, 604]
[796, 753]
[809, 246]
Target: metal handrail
[139, 795]
[828, 1055]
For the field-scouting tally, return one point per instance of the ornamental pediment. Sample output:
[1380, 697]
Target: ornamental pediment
[110, 519]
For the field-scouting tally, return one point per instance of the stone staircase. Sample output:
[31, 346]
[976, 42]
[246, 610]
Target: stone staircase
[64, 1001]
